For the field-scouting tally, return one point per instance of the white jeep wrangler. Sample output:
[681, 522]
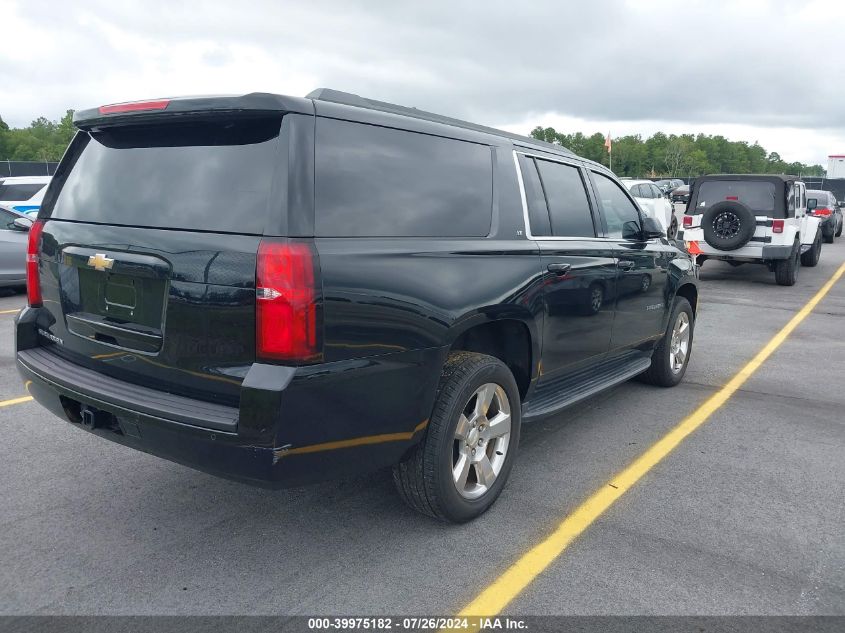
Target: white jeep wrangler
[753, 219]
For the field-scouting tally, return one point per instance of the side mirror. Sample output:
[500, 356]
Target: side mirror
[651, 229]
[842, 204]
[631, 231]
[22, 224]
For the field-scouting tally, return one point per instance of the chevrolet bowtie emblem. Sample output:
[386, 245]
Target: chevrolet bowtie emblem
[100, 262]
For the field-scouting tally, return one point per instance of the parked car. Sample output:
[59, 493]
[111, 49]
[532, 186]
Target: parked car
[398, 289]
[13, 242]
[23, 193]
[680, 194]
[654, 204]
[668, 184]
[824, 206]
[754, 219]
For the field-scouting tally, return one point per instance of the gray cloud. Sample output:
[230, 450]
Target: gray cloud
[696, 62]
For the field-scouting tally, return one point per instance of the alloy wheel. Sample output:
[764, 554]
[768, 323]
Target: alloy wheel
[679, 343]
[726, 225]
[481, 441]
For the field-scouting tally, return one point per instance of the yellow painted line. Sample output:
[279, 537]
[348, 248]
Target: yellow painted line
[493, 600]
[8, 403]
[355, 441]
[10, 311]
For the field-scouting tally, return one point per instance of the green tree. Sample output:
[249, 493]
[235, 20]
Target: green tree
[677, 155]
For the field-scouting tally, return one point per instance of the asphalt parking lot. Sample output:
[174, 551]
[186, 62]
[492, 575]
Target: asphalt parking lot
[745, 517]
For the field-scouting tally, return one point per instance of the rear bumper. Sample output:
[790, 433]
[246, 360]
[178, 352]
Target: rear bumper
[293, 425]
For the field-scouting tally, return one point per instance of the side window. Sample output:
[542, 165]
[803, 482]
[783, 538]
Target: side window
[655, 192]
[538, 212]
[616, 206]
[803, 197]
[790, 201]
[7, 220]
[373, 181]
[569, 207]
[636, 191]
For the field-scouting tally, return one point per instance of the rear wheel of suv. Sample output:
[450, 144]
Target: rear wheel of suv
[786, 270]
[811, 257]
[671, 356]
[461, 465]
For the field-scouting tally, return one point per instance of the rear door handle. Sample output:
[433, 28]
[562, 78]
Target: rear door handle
[625, 264]
[559, 268]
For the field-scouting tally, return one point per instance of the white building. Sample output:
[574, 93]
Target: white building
[836, 166]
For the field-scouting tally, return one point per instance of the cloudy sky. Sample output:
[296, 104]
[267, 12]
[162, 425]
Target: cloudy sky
[768, 71]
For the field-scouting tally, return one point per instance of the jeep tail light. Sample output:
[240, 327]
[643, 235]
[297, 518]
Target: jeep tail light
[33, 283]
[735, 198]
[822, 211]
[287, 314]
[135, 106]
[777, 226]
[687, 221]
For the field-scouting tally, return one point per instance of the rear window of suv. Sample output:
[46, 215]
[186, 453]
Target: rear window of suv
[19, 191]
[756, 195]
[381, 182]
[199, 176]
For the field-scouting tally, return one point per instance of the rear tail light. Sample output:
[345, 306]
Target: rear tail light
[777, 226]
[287, 307]
[822, 211]
[33, 283]
[687, 221]
[135, 106]
[735, 198]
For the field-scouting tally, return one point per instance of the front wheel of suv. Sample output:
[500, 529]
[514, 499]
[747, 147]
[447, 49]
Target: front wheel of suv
[671, 356]
[460, 466]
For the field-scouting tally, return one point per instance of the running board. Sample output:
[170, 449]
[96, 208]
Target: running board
[563, 392]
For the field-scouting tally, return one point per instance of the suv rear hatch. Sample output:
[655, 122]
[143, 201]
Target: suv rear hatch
[148, 256]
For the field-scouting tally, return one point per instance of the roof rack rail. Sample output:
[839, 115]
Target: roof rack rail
[348, 98]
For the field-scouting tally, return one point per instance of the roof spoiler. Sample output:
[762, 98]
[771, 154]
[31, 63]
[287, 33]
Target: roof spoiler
[253, 104]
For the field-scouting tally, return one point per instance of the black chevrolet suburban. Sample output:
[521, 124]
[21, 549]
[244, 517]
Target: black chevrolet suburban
[281, 290]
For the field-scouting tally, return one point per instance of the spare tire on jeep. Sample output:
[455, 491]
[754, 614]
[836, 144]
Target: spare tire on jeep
[728, 225]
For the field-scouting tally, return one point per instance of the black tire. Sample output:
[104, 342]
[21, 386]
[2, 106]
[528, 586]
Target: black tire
[424, 478]
[811, 257]
[839, 230]
[728, 225]
[661, 372]
[828, 237]
[673, 228]
[786, 270]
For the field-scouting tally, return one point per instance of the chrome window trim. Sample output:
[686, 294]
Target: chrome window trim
[524, 199]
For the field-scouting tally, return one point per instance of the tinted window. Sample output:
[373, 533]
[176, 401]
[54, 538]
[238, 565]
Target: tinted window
[19, 191]
[569, 207]
[756, 195]
[538, 212]
[375, 181]
[7, 219]
[208, 176]
[616, 206]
